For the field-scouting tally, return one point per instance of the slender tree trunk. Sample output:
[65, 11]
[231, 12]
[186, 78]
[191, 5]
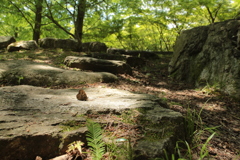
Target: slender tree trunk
[16, 32]
[79, 20]
[38, 20]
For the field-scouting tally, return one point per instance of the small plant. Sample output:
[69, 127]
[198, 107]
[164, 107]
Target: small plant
[175, 103]
[75, 149]
[193, 122]
[120, 148]
[19, 79]
[129, 116]
[71, 125]
[191, 118]
[194, 130]
[94, 138]
[211, 89]
[190, 149]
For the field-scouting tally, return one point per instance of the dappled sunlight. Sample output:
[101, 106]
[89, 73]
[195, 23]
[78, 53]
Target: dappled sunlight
[41, 60]
[44, 67]
[213, 107]
[2, 70]
[198, 99]
[40, 51]
[152, 79]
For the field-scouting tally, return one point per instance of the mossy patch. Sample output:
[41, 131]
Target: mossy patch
[152, 130]
[72, 125]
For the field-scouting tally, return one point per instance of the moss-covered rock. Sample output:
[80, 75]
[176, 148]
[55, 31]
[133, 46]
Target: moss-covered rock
[209, 55]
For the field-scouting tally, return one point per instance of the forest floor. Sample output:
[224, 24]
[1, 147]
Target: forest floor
[214, 111]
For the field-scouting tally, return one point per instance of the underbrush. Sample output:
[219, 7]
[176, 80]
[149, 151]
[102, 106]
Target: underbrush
[192, 148]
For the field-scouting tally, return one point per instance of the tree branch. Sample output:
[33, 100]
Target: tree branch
[50, 17]
[23, 15]
[212, 19]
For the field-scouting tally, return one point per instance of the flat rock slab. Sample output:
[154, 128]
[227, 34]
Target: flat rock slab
[40, 74]
[94, 64]
[31, 118]
[40, 105]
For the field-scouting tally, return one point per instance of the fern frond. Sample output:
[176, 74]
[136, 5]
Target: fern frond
[94, 139]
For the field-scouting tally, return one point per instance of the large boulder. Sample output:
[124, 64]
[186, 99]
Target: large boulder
[22, 45]
[88, 63]
[5, 41]
[115, 51]
[39, 74]
[47, 42]
[65, 44]
[135, 61]
[39, 121]
[94, 47]
[209, 55]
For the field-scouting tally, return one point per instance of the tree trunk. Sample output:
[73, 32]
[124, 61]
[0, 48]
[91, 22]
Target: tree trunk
[79, 21]
[38, 20]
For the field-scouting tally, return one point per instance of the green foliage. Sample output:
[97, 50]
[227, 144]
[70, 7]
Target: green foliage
[19, 79]
[211, 89]
[137, 24]
[76, 145]
[75, 149]
[190, 149]
[120, 149]
[194, 131]
[129, 116]
[116, 148]
[94, 138]
[72, 125]
[192, 120]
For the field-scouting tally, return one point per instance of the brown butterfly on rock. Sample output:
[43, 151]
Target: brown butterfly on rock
[82, 96]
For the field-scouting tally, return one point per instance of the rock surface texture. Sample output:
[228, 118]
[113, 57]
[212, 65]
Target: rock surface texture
[22, 45]
[66, 44]
[94, 47]
[87, 63]
[209, 55]
[32, 120]
[17, 72]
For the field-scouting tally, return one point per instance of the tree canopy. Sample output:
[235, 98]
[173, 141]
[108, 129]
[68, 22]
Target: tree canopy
[135, 24]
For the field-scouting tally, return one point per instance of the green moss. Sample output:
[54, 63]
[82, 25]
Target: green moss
[150, 130]
[72, 125]
[143, 110]
[175, 103]
[129, 116]
[154, 136]
[156, 131]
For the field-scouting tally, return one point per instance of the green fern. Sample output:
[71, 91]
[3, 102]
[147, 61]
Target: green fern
[94, 139]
